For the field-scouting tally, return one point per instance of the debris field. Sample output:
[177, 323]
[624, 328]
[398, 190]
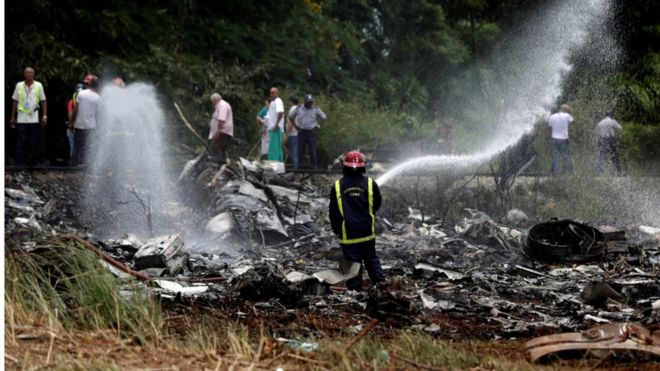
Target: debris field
[262, 250]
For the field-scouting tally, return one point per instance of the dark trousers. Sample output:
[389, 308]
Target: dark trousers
[307, 138]
[292, 144]
[608, 148]
[26, 143]
[81, 143]
[219, 145]
[365, 254]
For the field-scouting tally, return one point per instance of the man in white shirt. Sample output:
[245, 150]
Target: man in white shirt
[560, 148]
[222, 128]
[608, 129]
[291, 133]
[27, 98]
[275, 120]
[85, 120]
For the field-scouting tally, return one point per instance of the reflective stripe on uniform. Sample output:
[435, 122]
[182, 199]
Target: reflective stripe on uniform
[344, 236]
[341, 210]
[22, 95]
[371, 206]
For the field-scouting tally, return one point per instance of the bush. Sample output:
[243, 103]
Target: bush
[640, 146]
[361, 124]
[67, 287]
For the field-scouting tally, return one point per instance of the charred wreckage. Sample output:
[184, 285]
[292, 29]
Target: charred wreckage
[267, 241]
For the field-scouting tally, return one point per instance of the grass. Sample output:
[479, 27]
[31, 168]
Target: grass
[419, 350]
[581, 195]
[61, 286]
[603, 199]
[64, 311]
[240, 349]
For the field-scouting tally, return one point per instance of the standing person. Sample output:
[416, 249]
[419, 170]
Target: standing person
[307, 118]
[263, 127]
[354, 200]
[28, 97]
[85, 120]
[70, 106]
[118, 81]
[222, 128]
[292, 133]
[84, 85]
[608, 129]
[87, 80]
[275, 119]
[560, 147]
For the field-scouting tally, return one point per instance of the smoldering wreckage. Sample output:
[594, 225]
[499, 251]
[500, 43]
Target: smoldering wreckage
[593, 288]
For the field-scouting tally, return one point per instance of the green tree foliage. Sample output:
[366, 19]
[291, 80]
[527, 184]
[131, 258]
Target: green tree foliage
[386, 71]
[624, 76]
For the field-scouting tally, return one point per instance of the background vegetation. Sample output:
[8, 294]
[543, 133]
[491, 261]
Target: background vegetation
[386, 72]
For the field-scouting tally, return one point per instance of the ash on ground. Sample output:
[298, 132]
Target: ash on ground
[255, 241]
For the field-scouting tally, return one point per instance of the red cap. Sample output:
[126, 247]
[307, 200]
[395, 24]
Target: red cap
[88, 78]
[354, 159]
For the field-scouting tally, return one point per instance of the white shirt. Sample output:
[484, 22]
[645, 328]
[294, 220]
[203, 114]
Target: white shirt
[293, 132]
[608, 127]
[276, 106]
[222, 113]
[31, 101]
[559, 123]
[89, 105]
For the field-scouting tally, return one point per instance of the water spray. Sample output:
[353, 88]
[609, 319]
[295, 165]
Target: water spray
[539, 53]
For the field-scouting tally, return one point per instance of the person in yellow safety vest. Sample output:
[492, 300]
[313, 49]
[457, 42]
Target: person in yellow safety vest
[28, 97]
[354, 200]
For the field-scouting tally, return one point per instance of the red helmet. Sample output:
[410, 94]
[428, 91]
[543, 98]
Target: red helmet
[354, 159]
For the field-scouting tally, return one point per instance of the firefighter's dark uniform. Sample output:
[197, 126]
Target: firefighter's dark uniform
[354, 201]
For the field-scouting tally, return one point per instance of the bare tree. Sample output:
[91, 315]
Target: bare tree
[146, 208]
[510, 164]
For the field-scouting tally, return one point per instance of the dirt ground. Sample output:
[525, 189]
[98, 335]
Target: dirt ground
[36, 348]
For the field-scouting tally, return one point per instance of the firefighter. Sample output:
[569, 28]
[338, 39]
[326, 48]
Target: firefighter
[354, 200]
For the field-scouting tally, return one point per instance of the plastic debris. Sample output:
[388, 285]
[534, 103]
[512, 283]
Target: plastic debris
[177, 288]
[298, 344]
